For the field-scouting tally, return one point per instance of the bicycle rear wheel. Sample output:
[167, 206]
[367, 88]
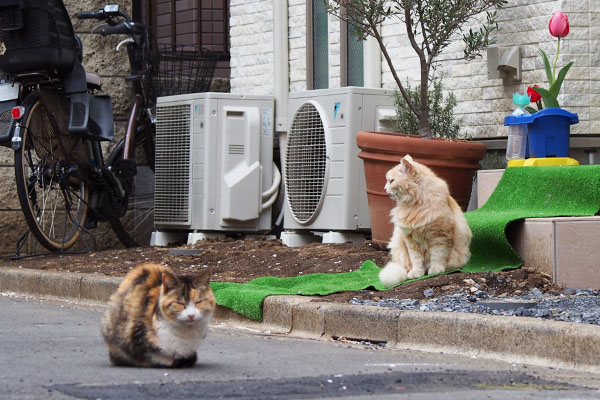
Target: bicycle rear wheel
[135, 228]
[53, 201]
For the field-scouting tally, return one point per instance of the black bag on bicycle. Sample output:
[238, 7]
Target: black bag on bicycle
[36, 35]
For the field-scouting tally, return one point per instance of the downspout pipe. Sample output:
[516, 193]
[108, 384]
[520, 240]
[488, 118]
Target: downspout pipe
[372, 63]
[281, 64]
[281, 74]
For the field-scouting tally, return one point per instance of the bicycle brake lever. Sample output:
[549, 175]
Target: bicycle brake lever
[98, 27]
[128, 40]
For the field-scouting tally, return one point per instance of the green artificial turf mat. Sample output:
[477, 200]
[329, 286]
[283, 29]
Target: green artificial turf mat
[523, 192]
[528, 192]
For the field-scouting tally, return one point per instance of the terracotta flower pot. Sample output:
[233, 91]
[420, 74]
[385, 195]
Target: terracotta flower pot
[454, 161]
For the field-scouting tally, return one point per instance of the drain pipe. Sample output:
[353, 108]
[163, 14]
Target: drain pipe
[372, 63]
[281, 72]
[281, 63]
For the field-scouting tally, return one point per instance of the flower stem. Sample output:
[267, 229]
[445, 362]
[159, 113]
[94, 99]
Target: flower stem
[555, 60]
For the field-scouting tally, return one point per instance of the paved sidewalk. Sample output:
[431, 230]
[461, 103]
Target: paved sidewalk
[515, 339]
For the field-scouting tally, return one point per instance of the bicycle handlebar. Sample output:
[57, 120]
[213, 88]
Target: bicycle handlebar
[91, 14]
[120, 28]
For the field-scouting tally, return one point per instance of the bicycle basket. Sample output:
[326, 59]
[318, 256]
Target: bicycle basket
[36, 35]
[179, 69]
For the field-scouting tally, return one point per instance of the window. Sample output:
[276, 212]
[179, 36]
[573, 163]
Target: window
[352, 64]
[317, 45]
[200, 22]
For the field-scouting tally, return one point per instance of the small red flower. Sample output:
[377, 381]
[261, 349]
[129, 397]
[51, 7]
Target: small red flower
[559, 24]
[533, 95]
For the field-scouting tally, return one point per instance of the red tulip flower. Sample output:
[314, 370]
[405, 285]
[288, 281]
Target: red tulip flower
[533, 95]
[559, 28]
[559, 24]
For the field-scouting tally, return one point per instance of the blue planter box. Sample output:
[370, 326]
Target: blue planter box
[548, 131]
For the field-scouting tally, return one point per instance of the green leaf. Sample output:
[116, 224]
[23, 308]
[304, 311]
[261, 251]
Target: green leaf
[549, 99]
[531, 110]
[555, 87]
[548, 68]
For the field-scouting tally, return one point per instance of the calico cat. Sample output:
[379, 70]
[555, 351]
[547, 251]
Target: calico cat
[431, 233]
[157, 318]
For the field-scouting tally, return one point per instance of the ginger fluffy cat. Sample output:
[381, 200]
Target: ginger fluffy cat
[157, 318]
[431, 234]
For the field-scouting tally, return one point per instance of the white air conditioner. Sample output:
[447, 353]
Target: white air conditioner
[324, 178]
[214, 163]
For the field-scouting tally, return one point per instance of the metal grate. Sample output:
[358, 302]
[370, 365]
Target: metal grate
[172, 165]
[305, 163]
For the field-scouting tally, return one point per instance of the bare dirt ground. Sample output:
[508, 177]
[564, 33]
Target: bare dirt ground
[243, 260]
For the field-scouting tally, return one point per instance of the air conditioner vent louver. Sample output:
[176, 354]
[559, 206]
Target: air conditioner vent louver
[236, 149]
[172, 168]
[306, 163]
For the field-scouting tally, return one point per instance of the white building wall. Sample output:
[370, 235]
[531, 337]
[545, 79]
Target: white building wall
[297, 51]
[251, 35]
[482, 103]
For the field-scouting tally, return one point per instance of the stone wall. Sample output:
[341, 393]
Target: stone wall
[100, 58]
[482, 103]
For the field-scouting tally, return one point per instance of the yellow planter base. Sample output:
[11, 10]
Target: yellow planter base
[543, 162]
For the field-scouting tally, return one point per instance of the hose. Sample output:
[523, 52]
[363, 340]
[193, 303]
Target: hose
[275, 185]
[272, 192]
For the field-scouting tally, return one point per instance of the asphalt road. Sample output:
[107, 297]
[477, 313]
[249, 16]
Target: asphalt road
[53, 350]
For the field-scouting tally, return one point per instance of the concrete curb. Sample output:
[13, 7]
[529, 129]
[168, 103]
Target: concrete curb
[515, 339]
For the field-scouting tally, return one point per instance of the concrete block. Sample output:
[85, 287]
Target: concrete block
[194, 237]
[565, 248]
[533, 239]
[296, 239]
[514, 339]
[343, 237]
[98, 288]
[361, 322]
[165, 238]
[278, 311]
[308, 320]
[487, 180]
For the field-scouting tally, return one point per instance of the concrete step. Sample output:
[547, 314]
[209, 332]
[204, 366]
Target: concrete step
[565, 248]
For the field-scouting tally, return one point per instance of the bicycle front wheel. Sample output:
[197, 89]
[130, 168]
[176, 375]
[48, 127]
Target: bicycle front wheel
[135, 228]
[53, 201]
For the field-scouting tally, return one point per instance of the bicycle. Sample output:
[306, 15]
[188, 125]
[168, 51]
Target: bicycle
[57, 125]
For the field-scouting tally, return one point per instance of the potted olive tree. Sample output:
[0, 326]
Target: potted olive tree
[430, 26]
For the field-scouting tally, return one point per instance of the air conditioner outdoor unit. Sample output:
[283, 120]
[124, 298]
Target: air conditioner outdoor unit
[324, 178]
[214, 163]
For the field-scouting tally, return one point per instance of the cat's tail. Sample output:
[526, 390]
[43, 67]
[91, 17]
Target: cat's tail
[392, 274]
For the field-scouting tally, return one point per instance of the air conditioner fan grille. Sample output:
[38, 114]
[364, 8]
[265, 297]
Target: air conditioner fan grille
[172, 166]
[305, 163]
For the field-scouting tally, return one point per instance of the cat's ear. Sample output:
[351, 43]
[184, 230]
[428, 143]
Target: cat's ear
[202, 280]
[406, 165]
[169, 281]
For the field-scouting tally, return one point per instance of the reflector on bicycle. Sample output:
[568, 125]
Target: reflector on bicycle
[18, 112]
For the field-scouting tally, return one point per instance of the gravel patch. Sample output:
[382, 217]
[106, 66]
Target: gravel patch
[571, 305]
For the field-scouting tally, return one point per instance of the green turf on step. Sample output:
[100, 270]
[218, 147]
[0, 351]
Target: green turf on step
[523, 192]
[528, 192]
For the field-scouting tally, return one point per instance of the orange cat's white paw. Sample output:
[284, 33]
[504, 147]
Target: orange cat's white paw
[415, 273]
[392, 274]
[436, 269]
